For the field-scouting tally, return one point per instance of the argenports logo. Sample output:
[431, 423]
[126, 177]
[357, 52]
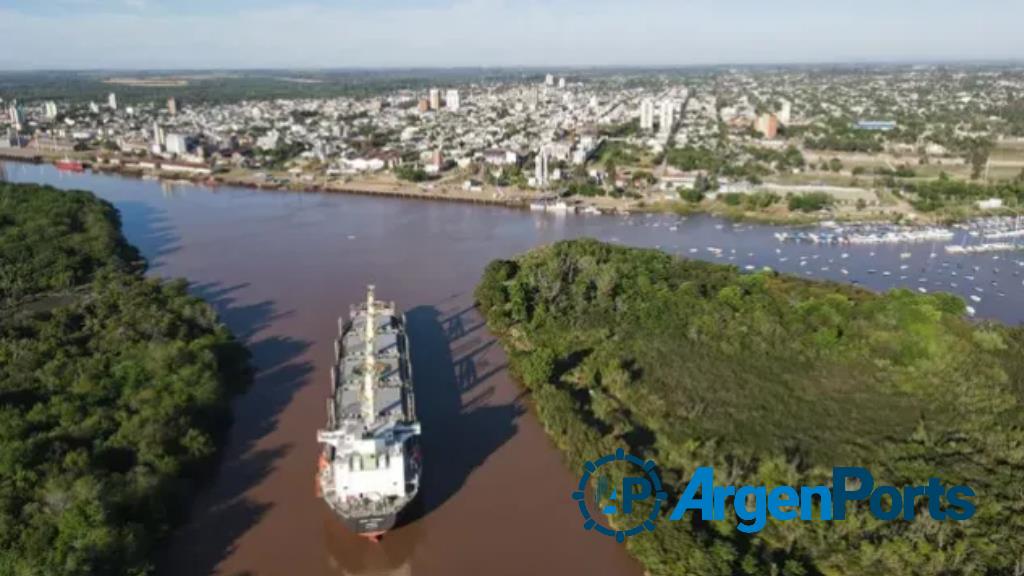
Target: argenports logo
[754, 505]
[634, 489]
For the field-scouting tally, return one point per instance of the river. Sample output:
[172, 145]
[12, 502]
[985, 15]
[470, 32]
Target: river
[280, 267]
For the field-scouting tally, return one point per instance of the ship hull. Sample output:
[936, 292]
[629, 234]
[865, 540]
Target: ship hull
[371, 526]
[70, 166]
[369, 468]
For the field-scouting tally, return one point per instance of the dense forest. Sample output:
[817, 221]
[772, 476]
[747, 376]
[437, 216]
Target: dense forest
[114, 390]
[773, 380]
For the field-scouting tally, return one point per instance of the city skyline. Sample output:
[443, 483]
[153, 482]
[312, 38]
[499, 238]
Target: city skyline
[155, 34]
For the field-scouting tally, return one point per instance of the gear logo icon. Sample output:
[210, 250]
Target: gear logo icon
[634, 489]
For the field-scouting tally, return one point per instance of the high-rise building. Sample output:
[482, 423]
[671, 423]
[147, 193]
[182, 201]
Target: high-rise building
[541, 167]
[15, 115]
[647, 114]
[561, 82]
[112, 101]
[172, 106]
[435, 99]
[94, 108]
[767, 125]
[158, 135]
[177, 144]
[451, 100]
[786, 113]
[666, 116]
[423, 105]
[50, 109]
[549, 80]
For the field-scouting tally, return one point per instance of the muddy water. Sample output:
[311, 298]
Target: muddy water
[280, 267]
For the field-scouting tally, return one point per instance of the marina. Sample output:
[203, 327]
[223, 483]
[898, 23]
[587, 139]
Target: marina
[867, 234]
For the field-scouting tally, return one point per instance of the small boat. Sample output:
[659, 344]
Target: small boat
[69, 165]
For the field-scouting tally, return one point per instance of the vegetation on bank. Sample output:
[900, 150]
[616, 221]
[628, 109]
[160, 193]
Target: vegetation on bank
[114, 390]
[773, 380]
[946, 193]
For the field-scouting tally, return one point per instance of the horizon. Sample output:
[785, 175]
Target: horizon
[446, 34]
[954, 63]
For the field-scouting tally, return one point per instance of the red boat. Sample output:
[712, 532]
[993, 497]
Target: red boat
[69, 165]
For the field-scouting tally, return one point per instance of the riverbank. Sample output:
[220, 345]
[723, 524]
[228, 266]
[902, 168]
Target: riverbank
[605, 338]
[151, 391]
[385, 184]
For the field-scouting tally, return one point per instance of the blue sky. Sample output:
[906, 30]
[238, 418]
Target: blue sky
[47, 34]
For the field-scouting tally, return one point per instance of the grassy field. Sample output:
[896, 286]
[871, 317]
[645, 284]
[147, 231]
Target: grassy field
[624, 155]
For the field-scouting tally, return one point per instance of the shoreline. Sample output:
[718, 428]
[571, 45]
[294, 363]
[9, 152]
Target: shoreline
[215, 180]
[521, 202]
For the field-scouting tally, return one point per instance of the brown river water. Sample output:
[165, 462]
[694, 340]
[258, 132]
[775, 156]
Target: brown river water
[281, 267]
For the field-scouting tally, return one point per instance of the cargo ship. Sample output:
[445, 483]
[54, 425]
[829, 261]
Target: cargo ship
[69, 165]
[370, 463]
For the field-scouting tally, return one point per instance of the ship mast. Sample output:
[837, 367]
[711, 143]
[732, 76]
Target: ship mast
[370, 369]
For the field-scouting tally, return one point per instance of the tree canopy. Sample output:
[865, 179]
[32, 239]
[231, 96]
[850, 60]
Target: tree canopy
[773, 380]
[114, 390]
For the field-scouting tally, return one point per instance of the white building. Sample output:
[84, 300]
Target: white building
[561, 82]
[15, 115]
[268, 141]
[786, 113]
[112, 101]
[541, 168]
[451, 100]
[667, 116]
[549, 80]
[172, 106]
[158, 135]
[647, 114]
[50, 109]
[500, 157]
[177, 144]
[435, 99]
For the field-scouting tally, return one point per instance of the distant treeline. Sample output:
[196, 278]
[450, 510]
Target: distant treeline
[231, 86]
[114, 390]
[772, 380]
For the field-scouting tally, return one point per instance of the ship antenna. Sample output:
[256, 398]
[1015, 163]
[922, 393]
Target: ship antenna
[370, 369]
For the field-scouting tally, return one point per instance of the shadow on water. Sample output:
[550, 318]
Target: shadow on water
[149, 229]
[245, 320]
[222, 513]
[459, 433]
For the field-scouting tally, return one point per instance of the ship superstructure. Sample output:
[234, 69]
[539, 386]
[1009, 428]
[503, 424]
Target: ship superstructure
[370, 464]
